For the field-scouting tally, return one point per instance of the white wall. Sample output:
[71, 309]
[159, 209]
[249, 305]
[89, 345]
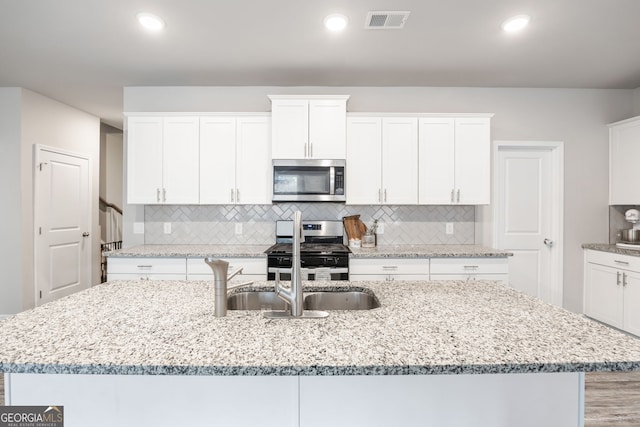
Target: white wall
[28, 118]
[577, 117]
[636, 102]
[10, 202]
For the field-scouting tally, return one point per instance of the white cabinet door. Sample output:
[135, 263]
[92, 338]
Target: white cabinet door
[144, 160]
[305, 128]
[400, 160]
[217, 160]
[327, 128]
[436, 151]
[603, 299]
[253, 161]
[364, 160]
[631, 284]
[162, 160]
[624, 151]
[472, 161]
[290, 128]
[180, 161]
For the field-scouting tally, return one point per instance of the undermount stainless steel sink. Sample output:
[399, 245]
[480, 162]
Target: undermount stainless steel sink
[319, 300]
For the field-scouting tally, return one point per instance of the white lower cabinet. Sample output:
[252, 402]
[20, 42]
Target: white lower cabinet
[470, 269]
[612, 289]
[252, 269]
[146, 268]
[388, 269]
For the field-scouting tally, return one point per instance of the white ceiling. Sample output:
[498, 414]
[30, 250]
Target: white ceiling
[83, 52]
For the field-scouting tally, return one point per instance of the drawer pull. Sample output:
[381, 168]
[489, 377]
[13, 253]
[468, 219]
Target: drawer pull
[620, 262]
[145, 266]
[471, 267]
[389, 267]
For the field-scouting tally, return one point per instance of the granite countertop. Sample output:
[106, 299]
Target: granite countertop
[429, 251]
[191, 251]
[605, 247]
[385, 251]
[168, 328]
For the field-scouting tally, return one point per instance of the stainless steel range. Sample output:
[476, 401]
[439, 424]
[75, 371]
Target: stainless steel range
[323, 255]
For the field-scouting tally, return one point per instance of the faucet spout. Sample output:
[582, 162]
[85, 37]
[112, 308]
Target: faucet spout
[293, 295]
[220, 277]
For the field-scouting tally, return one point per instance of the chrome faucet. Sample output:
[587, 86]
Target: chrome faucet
[220, 270]
[293, 295]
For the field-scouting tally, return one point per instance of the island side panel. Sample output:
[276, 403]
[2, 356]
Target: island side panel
[161, 400]
[490, 400]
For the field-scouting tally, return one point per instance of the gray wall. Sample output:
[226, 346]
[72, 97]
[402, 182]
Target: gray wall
[39, 120]
[576, 116]
[11, 199]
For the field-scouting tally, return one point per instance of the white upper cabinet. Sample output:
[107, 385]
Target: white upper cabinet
[454, 161]
[235, 165]
[308, 127]
[382, 166]
[624, 152]
[162, 160]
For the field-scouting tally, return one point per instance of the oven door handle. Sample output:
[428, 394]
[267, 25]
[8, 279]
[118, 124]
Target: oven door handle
[338, 270]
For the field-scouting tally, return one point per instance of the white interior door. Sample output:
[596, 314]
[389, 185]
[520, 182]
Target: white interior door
[528, 217]
[62, 224]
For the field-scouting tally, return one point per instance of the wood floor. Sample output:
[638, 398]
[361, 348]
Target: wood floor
[611, 399]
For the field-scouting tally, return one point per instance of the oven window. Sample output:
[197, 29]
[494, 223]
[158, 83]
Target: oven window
[301, 180]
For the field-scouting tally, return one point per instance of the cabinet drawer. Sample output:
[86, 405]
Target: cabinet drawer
[143, 276]
[502, 278]
[250, 266]
[147, 266]
[468, 266]
[386, 266]
[623, 262]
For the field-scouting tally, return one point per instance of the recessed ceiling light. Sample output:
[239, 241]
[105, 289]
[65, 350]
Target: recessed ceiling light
[516, 23]
[335, 22]
[150, 21]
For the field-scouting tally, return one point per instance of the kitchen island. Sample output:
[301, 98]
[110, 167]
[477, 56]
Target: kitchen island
[447, 352]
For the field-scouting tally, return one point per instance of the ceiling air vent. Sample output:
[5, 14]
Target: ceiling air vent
[379, 20]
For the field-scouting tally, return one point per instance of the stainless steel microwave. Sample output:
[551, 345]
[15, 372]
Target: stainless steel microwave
[308, 180]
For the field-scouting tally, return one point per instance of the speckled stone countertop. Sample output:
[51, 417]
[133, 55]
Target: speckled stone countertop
[429, 251]
[386, 251]
[191, 251]
[604, 247]
[168, 328]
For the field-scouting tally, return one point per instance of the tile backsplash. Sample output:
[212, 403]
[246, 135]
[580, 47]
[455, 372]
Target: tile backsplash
[195, 224]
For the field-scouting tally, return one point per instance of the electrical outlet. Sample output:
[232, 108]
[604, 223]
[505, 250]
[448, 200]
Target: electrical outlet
[238, 228]
[380, 229]
[138, 228]
[448, 229]
[167, 228]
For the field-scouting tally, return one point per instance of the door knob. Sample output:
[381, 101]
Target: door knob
[85, 234]
[548, 242]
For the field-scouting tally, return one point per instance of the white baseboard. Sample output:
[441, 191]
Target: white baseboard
[4, 316]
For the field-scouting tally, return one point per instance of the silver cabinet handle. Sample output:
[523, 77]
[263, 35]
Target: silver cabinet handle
[620, 262]
[237, 196]
[389, 267]
[452, 192]
[458, 196]
[158, 195]
[385, 195]
[164, 194]
[624, 279]
[145, 266]
[310, 149]
[380, 195]
[617, 278]
[471, 267]
[231, 198]
[548, 242]
[85, 234]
